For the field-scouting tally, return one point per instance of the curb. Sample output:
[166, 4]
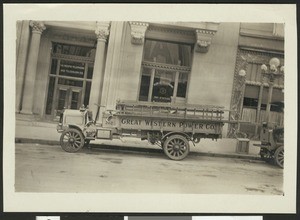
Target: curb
[135, 149]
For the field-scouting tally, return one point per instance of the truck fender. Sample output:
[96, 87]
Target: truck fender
[176, 132]
[78, 128]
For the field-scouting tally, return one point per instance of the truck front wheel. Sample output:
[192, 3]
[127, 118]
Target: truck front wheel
[71, 140]
[176, 147]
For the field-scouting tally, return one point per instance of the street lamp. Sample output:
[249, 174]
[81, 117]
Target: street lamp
[271, 72]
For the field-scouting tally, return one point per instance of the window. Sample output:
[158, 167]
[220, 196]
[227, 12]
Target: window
[256, 96]
[165, 71]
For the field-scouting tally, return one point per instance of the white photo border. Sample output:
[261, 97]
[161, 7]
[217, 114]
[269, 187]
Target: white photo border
[141, 203]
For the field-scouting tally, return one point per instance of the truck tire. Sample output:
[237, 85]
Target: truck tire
[279, 156]
[71, 140]
[176, 147]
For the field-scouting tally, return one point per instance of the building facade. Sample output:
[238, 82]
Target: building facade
[70, 64]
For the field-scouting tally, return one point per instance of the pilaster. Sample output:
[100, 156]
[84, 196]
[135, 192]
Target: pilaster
[102, 33]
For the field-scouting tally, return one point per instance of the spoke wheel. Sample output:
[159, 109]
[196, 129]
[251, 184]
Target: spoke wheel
[279, 156]
[176, 147]
[71, 140]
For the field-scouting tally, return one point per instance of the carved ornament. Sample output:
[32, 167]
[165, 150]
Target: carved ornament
[37, 27]
[138, 30]
[204, 38]
[102, 31]
[167, 67]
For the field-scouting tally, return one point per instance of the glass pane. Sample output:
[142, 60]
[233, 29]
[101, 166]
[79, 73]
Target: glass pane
[74, 100]
[53, 67]
[61, 99]
[168, 53]
[69, 68]
[76, 50]
[70, 82]
[144, 89]
[163, 86]
[50, 95]
[90, 71]
[145, 84]
[251, 91]
[87, 93]
[182, 85]
[277, 102]
[250, 103]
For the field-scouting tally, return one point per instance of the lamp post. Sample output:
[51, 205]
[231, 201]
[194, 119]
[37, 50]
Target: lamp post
[271, 72]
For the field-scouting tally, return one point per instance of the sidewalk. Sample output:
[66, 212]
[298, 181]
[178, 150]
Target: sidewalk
[29, 131]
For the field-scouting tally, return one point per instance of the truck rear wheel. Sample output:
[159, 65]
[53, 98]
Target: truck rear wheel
[71, 140]
[279, 156]
[176, 147]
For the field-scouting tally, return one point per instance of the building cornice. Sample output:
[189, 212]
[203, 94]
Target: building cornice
[163, 66]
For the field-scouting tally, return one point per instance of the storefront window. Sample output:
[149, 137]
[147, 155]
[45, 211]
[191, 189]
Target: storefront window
[165, 71]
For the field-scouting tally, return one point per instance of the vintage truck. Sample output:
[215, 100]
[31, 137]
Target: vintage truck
[170, 126]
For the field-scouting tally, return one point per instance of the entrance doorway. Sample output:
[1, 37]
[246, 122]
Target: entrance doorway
[70, 78]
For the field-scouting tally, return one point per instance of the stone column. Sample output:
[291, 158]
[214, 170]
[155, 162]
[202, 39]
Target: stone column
[102, 32]
[29, 90]
[21, 61]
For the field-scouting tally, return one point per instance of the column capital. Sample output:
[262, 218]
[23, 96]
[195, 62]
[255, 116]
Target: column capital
[138, 30]
[37, 26]
[204, 38]
[102, 30]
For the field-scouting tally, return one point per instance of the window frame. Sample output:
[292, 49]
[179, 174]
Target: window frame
[167, 67]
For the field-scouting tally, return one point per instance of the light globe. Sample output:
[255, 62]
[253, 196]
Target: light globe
[274, 61]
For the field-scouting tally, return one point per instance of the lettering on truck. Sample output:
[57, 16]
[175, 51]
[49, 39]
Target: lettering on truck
[167, 124]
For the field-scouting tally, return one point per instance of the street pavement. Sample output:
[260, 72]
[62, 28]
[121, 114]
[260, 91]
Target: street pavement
[47, 168]
[30, 131]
